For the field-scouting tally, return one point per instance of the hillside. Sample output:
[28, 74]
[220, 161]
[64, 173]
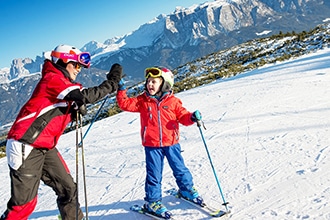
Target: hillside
[223, 64]
[267, 133]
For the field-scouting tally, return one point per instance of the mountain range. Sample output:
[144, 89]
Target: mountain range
[171, 40]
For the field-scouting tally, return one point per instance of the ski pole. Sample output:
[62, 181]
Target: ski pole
[98, 111]
[83, 164]
[77, 161]
[94, 119]
[199, 124]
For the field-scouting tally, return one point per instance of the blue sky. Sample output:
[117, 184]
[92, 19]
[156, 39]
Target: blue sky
[29, 27]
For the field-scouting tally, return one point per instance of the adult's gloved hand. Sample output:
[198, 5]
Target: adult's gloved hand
[121, 85]
[196, 116]
[82, 110]
[115, 73]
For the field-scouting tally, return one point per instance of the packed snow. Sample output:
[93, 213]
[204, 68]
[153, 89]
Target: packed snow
[268, 134]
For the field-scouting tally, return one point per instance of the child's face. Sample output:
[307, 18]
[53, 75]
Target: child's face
[153, 85]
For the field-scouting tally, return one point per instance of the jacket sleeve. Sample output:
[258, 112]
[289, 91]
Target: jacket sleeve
[127, 104]
[183, 115]
[96, 93]
[75, 95]
[92, 94]
[63, 89]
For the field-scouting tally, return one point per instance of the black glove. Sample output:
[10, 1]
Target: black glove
[196, 116]
[115, 73]
[81, 109]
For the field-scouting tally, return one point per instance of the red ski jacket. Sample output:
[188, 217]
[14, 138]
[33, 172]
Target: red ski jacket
[159, 119]
[43, 118]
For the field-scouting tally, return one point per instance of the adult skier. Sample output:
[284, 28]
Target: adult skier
[31, 143]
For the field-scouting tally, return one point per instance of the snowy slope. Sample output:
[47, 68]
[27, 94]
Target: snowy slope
[268, 133]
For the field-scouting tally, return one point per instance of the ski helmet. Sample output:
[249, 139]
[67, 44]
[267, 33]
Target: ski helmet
[68, 54]
[166, 74]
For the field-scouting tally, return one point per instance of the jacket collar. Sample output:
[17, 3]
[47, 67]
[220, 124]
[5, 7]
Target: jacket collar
[159, 98]
[49, 66]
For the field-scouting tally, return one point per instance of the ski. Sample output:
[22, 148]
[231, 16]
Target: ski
[140, 209]
[203, 206]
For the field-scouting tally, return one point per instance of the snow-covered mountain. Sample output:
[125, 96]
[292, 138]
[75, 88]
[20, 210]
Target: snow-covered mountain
[174, 40]
[189, 33]
[267, 132]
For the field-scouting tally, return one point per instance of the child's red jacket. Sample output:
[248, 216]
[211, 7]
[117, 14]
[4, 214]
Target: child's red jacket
[159, 119]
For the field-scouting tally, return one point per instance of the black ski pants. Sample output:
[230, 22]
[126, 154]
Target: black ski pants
[48, 166]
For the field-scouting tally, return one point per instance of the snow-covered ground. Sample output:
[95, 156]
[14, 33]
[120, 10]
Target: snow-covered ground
[268, 133]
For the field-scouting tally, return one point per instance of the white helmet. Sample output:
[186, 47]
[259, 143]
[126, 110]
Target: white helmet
[163, 72]
[70, 54]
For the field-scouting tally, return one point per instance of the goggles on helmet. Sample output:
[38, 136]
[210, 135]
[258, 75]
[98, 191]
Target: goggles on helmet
[153, 72]
[83, 58]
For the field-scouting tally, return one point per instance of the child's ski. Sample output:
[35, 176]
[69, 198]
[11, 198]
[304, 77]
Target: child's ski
[203, 206]
[140, 209]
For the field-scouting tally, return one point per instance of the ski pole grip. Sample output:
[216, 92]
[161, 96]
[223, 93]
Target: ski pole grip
[200, 123]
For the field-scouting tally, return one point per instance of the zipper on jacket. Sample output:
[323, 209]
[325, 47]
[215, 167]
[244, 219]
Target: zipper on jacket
[144, 134]
[23, 155]
[176, 132]
[150, 113]
[160, 125]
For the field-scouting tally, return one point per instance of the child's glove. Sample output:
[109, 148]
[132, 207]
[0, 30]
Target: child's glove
[196, 116]
[121, 85]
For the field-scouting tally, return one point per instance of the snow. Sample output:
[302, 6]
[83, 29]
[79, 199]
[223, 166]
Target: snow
[263, 33]
[268, 134]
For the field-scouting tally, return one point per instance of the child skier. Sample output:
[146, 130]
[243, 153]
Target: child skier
[160, 115]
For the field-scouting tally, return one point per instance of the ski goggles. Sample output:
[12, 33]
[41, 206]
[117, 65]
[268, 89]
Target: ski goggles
[77, 66]
[153, 72]
[83, 58]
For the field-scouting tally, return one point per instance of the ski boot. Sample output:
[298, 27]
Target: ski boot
[158, 209]
[192, 195]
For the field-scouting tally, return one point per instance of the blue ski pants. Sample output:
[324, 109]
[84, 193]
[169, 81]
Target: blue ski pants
[154, 170]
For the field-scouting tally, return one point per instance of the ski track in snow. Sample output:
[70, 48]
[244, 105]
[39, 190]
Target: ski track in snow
[268, 133]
